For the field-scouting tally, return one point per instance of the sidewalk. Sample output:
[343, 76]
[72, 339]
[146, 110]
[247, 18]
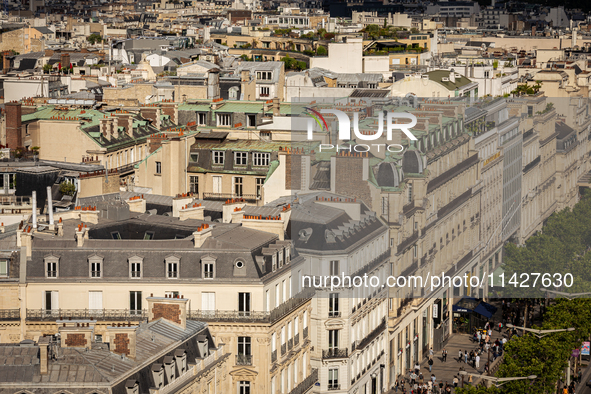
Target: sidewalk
[445, 371]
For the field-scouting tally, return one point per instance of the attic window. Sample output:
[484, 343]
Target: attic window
[240, 264]
[194, 157]
[115, 235]
[149, 235]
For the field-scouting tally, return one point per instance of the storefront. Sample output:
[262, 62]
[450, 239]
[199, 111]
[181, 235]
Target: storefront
[440, 323]
[470, 313]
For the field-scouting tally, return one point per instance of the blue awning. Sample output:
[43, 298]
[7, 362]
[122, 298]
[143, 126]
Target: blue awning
[470, 304]
[485, 309]
[459, 309]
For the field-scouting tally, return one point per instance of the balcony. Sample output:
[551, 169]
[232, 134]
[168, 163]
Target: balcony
[10, 314]
[334, 314]
[305, 332]
[86, 314]
[334, 386]
[274, 356]
[244, 359]
[373, 264]
[229, 196]
[296, 339]
[293, 303]
[335, 353]
[372, 335]
[228, 316]
[306, 384]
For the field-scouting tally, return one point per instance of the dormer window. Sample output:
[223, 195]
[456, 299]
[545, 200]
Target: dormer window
[180, 356]
[287, 255]
[280, 254]
[3, 268]
[132, 386]
[172, 264]
[208, 267]
[95, 268]
[274, 262]
[135, 267]
[158, 375]
[51, 267]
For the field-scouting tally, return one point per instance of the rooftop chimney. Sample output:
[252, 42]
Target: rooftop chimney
[122, 340]
[14, 138]
[202, 233]
[276, 106]
[50, 208]
[43, 353]
[34, 198]
[173, 310]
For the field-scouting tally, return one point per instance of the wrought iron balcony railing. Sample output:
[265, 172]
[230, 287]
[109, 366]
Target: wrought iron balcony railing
[86, 314]
[306, 384]
[334, 386]
[335, 353]
[229, 196]
[10, 314]
[244, 359]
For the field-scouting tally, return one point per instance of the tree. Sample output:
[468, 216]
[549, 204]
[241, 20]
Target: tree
[67, 188]
[94, 38]
[47, 68]
[321, 51]
[468, 389]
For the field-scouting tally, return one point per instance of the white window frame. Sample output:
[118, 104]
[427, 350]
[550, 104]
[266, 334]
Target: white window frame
[138, 262]
[218, 157]
[240, 158]
[95, 262]
[54, 261]
[224, 120]
[261, 159]
[172, 262]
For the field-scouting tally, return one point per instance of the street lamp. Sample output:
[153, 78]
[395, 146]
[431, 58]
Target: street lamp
[540, 333]
[570, 296]
[498, 382]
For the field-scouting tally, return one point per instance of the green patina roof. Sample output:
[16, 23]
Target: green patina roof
[254, 145]
[438, 75]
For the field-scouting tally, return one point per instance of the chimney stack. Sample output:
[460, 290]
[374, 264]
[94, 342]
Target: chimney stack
[202, 233]
[43, 354]
[50, 208]
[14, 138]
[34, 198]
[173, 310]
[276, 106]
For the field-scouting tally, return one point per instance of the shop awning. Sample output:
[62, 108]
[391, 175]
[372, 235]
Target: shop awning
[470, 304]
[485, 309]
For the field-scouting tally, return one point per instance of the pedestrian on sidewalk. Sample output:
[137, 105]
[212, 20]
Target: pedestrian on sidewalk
[431, 352]
[455, 381]
[417, 368]
[460, 356]
[396, 385]
[470, 379]
[500, 326]
[477, 363]
[430, 362]
[421, 380]
[487, 325]
[466, 356]
[444, 355]
[479, 336]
